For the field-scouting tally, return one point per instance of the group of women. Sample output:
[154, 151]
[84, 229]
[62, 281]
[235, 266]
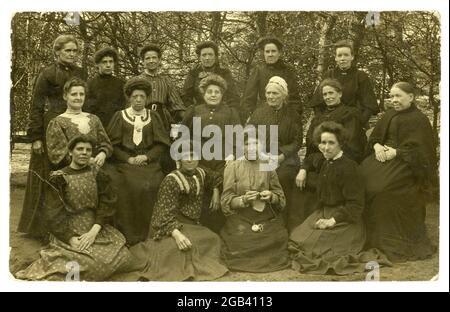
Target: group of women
[109, 206]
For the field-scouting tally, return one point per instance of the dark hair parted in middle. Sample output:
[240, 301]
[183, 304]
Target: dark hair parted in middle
[269, 39]
[345, 43]
[106, 51]
[74, 82]
[82, 138]
[137, 83]
[331, 127]
[212, 79]
[151, 47]
[329, 82]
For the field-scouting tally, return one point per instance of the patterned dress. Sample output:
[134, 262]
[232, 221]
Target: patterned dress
[179, 207]
[47, 103]
[78, 200]
[253, 241]
[136, 186]
[65, 127]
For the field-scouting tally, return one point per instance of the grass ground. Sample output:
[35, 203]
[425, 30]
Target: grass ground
[25, 250]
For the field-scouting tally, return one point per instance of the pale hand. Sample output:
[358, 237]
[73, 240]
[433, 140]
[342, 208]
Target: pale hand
[266, 196]
[300, 180]
[215, 200]
[250, 196]
[37, 147]
[132, 160]
[141, 160]
[380, 152]
[99, 160]
[182, 241]
[391, 153]
[323, 224]
[87, 239]
[75, 242]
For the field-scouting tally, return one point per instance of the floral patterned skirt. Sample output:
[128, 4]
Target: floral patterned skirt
[60, 261]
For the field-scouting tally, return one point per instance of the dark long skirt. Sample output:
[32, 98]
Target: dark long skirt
[337, 250]
[395, 215]
[136, 188]
[249, 251]
[106, 255]
[162, 260]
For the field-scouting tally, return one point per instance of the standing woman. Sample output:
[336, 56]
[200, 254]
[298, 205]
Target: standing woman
[47, 103]
[180, 247]
[276, 112]
[254, 236]
[332, 238]
[139, 138]
[399, 174]
[74, 122]
[213, 112]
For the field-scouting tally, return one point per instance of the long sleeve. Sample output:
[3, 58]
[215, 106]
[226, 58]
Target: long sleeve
[106, 198]
[56, 215]
[57, 144]
[212, 179]
[294, 141]
[175, 102]
[36, 129]
[188, 93]
[294, 101]
[366, 97]
[229, 188]
[250, 97]
[275, 186]
[164, 219]
[161, 139]
[353, 193]
[232, 98]
[91, 105]
[114, 132]
[104, 143]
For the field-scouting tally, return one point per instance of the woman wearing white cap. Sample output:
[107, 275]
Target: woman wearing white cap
[276, 112]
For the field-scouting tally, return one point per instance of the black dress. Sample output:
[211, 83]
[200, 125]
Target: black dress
[398, 189]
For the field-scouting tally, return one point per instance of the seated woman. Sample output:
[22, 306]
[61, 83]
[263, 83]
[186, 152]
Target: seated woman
[276, 113]
[74, 122]
[139, 138]
[349, 117]
[399, 174]
[255, 239]
[77, 207]
[180, 247]
[331, 239]
[213, 112]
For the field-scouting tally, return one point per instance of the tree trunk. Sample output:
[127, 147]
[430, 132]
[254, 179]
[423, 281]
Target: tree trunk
[324, 39]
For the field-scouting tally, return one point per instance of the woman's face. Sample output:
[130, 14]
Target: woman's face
[189, 164]
[274, 97]
[344, 57]
[331, 96]
[400, 99]
[81, 154]
[251, 149]
[68, 54]
[213, 95]
[271, 53]
[75, 97]
[137, 100]
[329, 145]
[207, 57]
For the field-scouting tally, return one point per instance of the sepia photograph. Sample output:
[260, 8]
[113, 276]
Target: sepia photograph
[225, 146]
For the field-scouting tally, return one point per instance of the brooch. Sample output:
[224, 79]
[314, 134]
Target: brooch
[257, 228]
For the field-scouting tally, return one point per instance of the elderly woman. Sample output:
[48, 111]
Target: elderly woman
[48, 89]
[74, 122]
[276, 113]
[399, 174]
[213, 112]
[139, 138]
[255, 239]
[181, 248]
[331, 239]
[77, 207]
